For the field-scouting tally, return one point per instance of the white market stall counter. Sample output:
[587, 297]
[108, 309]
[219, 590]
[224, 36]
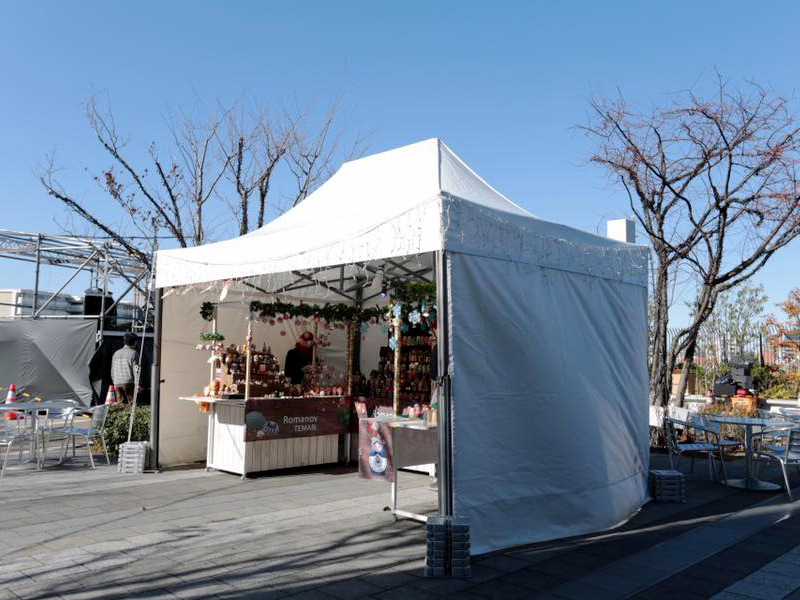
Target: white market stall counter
[267, 433]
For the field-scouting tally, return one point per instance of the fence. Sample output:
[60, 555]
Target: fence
[715, 347]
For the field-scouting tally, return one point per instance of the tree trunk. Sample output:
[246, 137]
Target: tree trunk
[198, 234]
[660, 382]
[243, 206]
[688, 361]
[263, 190]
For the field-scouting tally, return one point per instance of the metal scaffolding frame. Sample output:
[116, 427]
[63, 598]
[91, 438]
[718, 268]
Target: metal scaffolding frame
[105, 259]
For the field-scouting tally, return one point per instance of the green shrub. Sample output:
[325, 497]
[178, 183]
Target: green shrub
[782, 391]
[118, 421]
[728, 432]
[765, 376]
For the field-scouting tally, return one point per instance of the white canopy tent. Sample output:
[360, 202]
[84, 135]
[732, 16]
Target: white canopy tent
[543, 360]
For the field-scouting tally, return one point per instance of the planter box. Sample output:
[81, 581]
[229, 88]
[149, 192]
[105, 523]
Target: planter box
[747, 403]
[691, 382]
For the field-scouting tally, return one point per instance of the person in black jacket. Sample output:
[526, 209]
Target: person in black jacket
[299, 357]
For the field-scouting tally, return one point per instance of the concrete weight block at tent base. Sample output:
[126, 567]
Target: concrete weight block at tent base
[448, 547]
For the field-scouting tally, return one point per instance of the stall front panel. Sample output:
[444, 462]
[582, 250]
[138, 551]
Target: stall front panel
[185, 371]
[549, 398]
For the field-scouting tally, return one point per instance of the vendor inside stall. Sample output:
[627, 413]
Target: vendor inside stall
[264, 415]
[298, 357]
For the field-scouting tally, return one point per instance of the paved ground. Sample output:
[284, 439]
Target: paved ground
[75, 533]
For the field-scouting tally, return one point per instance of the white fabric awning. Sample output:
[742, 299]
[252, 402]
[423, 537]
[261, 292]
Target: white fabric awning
[384, 205]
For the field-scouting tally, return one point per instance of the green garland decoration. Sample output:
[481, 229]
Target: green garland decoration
[207, 311]
[332, 313]
[407, 295]
[210, 336]
[414, 292]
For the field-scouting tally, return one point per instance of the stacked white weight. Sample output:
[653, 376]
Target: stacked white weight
[133, 457]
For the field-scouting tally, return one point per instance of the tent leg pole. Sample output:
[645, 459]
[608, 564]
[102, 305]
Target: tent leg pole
[155, 378]
[443, 387]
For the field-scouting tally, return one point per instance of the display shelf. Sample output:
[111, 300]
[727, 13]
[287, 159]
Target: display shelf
[415, 382]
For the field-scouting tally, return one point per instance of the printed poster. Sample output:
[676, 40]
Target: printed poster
[375, 450]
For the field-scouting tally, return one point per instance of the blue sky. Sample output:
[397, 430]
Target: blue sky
[502, 83]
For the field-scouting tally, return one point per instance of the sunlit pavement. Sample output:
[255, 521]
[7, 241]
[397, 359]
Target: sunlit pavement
[76, 533]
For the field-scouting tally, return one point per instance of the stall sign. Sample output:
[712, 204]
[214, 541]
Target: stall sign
[277, 418]
[375, 450]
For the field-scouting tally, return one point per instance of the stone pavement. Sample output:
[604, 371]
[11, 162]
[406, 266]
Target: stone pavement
[323, 533]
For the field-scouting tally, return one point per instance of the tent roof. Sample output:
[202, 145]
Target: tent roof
[383, 185]
[391, 204]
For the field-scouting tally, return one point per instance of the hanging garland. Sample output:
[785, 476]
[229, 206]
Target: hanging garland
[331, 313]
[414, 292]
[413, 305]
[412, 302]
[210, 336]
[207, 311]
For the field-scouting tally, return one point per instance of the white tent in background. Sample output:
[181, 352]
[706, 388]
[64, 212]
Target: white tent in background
[547, 434]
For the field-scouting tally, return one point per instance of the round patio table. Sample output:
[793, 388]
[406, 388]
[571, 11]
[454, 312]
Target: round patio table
[748, 482]
[31, 406]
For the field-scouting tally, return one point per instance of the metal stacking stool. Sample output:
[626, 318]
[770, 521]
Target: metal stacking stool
[133, 457]
[667, 485]
[448, 548]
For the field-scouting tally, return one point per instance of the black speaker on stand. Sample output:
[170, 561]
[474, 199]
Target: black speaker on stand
[93, 302]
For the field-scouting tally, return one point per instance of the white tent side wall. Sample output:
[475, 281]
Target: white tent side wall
[549, 380]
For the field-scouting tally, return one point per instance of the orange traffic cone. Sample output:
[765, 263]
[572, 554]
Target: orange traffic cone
[111, 395]
[10, 398]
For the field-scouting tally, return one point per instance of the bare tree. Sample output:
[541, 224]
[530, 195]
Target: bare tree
[713, 183]
[200, 167]
[256, 152]
[224, 154]
[311, 155]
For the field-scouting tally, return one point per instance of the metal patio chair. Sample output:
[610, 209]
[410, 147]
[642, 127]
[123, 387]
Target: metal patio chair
[788, 455]
[91, 433]
[56, 421]
[18, 432]
[714, 427]
[706, 440]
